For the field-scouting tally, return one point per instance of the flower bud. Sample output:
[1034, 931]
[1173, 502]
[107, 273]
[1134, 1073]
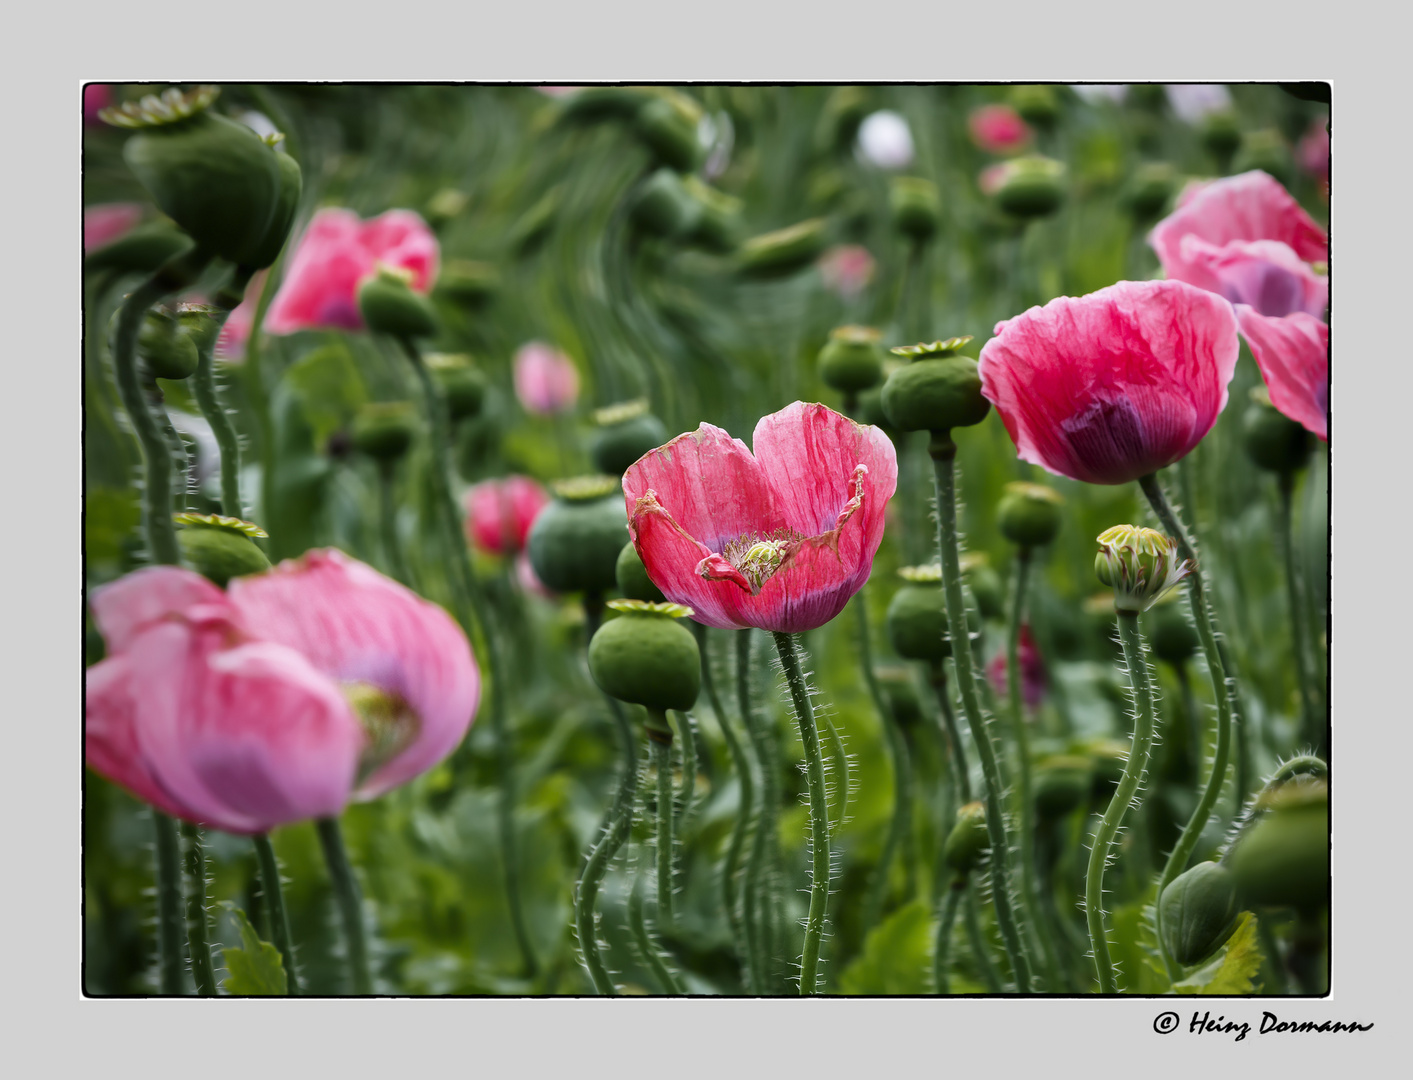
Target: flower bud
[1029, 514]
[1037, 105]
[915, 205]
[633, 580]
[463, 385]
[227, 187]
[783, 252]
[142, 250]
[1199, 912]
[1062, 784]
[1170, 632]
[1031, 187]
[575, 541]
[466, 283]
[625, 433]
[939, 390]
[1283, 860]
[384, 429]
[985, 585]
[851, 360]
[220, 547]
[664, 208]
[1149, 189]
[968, 842]
[668, 124]
[646, 657]
[165, 349]
[1140, 564]
[199, 322]
[1272, 440]
[389, 306]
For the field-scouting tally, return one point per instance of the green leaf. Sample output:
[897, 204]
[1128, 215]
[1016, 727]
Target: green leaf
[897, 955]
[329, 388]
[1237, 966]
[1134, 948]
[256, 967]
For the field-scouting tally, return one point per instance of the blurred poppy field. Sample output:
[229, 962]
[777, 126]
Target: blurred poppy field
[527, 530]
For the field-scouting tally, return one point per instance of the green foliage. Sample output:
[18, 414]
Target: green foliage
[897, 955]
[1233, 971]
[255, 968]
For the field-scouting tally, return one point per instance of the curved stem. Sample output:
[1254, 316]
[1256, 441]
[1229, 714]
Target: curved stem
[652, 955]
[198, 941]
[1123, 796]
[819, 812]
[660, 753]
[1313, 734]
[753, 897]
[944, 452]
[203, 385]
[350, 903]
[1222, 689]
[470, 612]
[943, 943]
[275, 901]
[387, 524]
[169, 904]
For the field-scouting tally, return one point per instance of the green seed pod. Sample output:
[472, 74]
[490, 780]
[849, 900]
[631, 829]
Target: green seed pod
[718, 225]
[466, 283]
[1032, 187]
[140, 251]
[282, 220]
[216, 178]
[389, 306]
[668, 127]
[164, 348]
[664, 208]
[985, 585]
[443, 207]
[1170, 632]
[1037, 105]
[1149, 189]
[1199, 912]
[900, 692]
[968, 842]
[590, 104]
[1029, 514]
[384, 430]
[1221, 135]
[1141, 564]
[646, 657]
[576, 539]
[220, 547]
[917, 616]
[462, 384]
[916, 206]
[938, 391]
[626, 432]
[1283, 860]
[852, 360]
[1273, 441]
[199, 322]
[782, 252]
[1062, 784]
[1268, 151]
[633, 580]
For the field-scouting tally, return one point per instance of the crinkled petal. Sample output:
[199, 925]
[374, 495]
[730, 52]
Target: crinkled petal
[109, 737]
[1264, 274]
[124, 607]
[1111, 386]
[1293, 355]
[673, 560]
[355, 625]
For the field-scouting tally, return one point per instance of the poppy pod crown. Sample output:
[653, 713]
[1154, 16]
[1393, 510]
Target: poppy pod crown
[779, 539]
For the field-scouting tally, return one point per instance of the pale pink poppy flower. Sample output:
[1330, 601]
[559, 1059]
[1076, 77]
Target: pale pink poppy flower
[235, 710]
[778, 539]
[106, 222]
[1109, 387]
[546, 381]
[499, 512]
[1293, 355]
[998, 129]
[333, 257]
[846, 270]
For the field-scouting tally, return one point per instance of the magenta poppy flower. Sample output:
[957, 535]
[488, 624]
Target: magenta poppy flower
[1293, 355]
[1111, 386]
[499, 513]
[779, 539]
[846, 270]
[301, 688]
[546, 381]
[1032, 669]
[106, 222]
[998, 129]
[96, 98]
[335, 254]
[1313, 152]
[235, 332]
[1247, 239]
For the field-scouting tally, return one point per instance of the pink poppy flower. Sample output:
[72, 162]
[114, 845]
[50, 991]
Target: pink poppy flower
[106, 222]
[546, 381]
[528, 580]
[236, 710]
[1032, 670]
[1111, 386]
[1293, 355]
[1247, 239]
[998, 129]
[846, 270]
[230, 345]
[499, 513]
[335, 254]
[1313, 153]
[779, 539]
[96, 98]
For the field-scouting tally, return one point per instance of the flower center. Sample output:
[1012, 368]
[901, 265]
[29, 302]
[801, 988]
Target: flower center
[758, 557]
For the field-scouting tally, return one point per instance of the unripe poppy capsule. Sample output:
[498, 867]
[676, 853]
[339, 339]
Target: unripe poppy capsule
[625, 433]
[851, 360]
[463, 386]
[384, 430]
[917, 616]
[1029, 514]
[1149, 189]
[576, 539]
[389, 306]
[1170, 632]
[165, 349]
[1031, 187]
[1283, 860]
[968, 842]
[1273, 441]
[1221, 135]
[915, 205]
[939, 390]
[467, 283]
[1062, 784]
[1036, 104]
[220, 548]
[784, 251]
[1199, 912]
[141, 251]
[646, 657]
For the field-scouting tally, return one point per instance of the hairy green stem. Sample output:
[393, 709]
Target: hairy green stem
[819, 812]
[169, 904]
[350, 903]
[1124, 795]
[208, 398]
[652, 954]
[951, 901]
[660, 754]
[275, 901]
[687, 737]
[980, 949]
[754, 897]
[198, 941]
[944, 452]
